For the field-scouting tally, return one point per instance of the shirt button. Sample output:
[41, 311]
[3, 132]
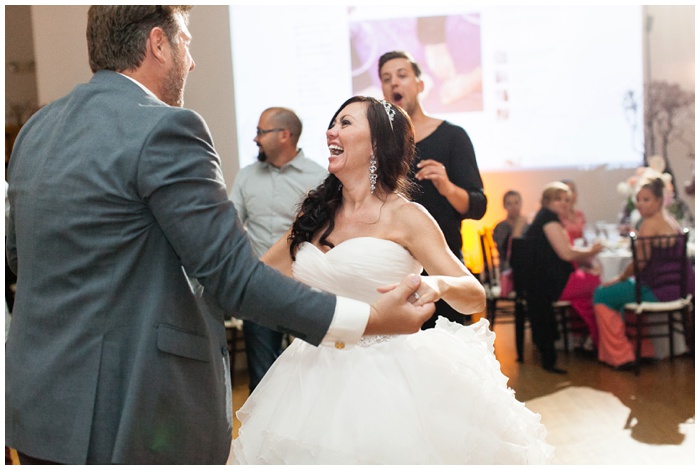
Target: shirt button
[339, 345]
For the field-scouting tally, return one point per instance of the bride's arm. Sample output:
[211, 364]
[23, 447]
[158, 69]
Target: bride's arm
[448, 278]
[278, 255]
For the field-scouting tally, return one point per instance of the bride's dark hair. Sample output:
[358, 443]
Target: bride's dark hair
[394, 149]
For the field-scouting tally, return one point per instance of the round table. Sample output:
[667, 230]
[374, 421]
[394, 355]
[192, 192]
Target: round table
[613, 263]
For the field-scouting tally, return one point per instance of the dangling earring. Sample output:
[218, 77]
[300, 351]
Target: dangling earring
[372, 173]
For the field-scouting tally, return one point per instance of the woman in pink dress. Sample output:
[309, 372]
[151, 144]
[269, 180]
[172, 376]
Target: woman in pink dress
[573, 219]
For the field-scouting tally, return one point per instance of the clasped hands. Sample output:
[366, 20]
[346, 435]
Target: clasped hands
[397, 311]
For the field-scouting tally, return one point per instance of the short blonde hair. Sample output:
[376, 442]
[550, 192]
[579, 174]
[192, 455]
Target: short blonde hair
[552, 190]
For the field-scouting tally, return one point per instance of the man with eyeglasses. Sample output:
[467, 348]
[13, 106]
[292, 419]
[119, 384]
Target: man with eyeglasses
[266, 194]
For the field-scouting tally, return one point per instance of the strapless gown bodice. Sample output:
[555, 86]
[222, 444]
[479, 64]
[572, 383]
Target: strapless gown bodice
[355, 267]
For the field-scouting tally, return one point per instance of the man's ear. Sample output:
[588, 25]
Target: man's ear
[157, 44]
[286, 134]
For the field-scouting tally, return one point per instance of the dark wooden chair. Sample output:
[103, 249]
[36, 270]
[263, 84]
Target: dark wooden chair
[498, 303]
[569, 322]
[522, 259]
[669, 255]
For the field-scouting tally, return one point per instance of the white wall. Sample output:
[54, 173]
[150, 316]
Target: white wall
[672, 59]
[61, 57]
[672, 43]
[60, 49]
[209, 88]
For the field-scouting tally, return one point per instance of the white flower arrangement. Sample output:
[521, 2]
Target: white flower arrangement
[630, 216]
[631, 185]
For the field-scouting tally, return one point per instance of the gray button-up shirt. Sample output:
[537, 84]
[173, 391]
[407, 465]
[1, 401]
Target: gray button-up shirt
[267, 197]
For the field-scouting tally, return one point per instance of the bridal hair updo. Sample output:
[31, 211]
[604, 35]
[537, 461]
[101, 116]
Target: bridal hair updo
[394, 148]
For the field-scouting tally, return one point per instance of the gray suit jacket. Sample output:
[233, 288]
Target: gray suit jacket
[112, 357]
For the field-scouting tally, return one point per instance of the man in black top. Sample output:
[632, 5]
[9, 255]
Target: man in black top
[446, 170]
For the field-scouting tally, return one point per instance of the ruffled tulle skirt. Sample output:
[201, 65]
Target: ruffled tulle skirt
[434, 397]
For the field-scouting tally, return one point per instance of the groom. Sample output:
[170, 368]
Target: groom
[117, 199]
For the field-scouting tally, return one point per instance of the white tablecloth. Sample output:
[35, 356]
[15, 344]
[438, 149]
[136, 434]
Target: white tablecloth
[612, 263]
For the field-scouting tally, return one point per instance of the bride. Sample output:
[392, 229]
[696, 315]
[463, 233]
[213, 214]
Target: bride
[434, 397]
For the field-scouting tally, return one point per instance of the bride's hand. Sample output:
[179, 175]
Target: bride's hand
[393, 314]
[427, 291]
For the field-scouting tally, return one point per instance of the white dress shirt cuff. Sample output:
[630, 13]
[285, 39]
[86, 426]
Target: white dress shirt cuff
[348, 324]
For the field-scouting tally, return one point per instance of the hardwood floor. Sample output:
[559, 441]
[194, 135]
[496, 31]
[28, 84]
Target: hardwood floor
[653, 410]
[663, 381]
[240, 395]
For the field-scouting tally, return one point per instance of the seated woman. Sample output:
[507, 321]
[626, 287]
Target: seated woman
[554, 276]
[573, 219]
[513, 226]
[609, 299]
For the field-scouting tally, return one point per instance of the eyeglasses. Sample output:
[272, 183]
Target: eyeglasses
[261, 132]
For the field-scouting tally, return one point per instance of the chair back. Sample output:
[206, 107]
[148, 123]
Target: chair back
[661, 262]
[522, 260]
[490, 274]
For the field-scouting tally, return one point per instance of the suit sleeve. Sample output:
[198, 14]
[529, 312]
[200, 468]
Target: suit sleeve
[179, 178]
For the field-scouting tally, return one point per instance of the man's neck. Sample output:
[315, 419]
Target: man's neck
[283, 158]
[423, 124]
[418, 115]
[143, 79]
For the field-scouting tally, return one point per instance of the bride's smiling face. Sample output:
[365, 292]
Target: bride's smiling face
[349, 141]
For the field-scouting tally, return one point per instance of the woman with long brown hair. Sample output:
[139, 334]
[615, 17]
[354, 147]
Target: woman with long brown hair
[436, 396]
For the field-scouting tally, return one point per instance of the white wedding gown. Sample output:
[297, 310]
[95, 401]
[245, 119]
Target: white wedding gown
[434, 397]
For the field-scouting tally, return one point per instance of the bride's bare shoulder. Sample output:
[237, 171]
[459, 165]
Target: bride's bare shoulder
[405, 207]
[412, 215]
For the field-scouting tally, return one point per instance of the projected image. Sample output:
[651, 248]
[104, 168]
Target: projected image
[448, 49]
[535, 87]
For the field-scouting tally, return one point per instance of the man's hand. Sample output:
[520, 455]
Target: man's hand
[393, 313]
[434, 171]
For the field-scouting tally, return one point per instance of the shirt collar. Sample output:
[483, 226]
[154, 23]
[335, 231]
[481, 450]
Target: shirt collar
[143, 87]
[295, 162]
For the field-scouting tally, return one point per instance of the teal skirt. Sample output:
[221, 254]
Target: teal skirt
[617, 295]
